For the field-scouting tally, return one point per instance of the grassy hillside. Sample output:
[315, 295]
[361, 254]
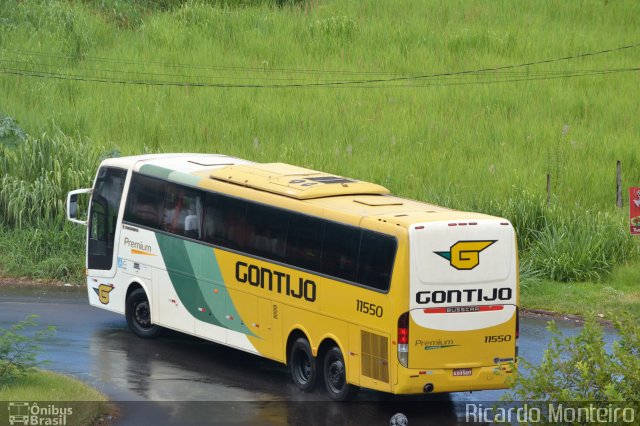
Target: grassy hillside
[480, 140]
[474, 141]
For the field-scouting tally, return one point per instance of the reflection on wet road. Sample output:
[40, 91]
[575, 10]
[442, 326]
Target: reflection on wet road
[221, 385]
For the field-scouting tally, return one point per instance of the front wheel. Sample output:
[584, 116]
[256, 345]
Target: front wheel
[335, 376]
[138, 314]
[303, 365]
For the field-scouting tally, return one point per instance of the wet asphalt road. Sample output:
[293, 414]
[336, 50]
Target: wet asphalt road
[177, 379]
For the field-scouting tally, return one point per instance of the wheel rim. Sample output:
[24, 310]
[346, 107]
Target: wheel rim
[302, 367]
[142, 314]
[336, 375]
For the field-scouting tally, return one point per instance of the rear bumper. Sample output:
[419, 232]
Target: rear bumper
[413, 381]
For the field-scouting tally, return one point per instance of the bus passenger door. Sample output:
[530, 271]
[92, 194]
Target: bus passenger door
[103, 218]
[102, 233]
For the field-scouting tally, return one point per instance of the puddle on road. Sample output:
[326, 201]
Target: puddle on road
[96, 346]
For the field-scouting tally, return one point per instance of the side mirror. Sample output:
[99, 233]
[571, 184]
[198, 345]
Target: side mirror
[72, 205]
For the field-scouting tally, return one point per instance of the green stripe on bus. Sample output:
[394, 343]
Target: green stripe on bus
[170, 175]
[207, 273]
[184, 281]
[195, 274]
[184, 178]
[155, 171]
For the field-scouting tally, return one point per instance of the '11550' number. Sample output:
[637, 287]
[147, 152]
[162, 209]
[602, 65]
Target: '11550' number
[368, 308]
[497, 339]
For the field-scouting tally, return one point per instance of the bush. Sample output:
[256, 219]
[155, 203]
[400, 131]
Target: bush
[18, 352]
[11, 134]
[579, 368]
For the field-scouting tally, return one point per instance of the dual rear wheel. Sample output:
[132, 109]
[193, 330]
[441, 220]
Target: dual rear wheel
[304, 370]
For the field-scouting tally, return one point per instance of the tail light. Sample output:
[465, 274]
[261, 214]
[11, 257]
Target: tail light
[403, 339]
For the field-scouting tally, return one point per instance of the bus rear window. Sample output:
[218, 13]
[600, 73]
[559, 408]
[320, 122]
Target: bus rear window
[377, 253]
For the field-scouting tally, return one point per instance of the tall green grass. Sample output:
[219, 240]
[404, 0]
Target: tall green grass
[470, 141]
[484, 147]
[580, 247]
[563, 244]
[45, 251]
[566, 245]
[555, 243]
[38, 173]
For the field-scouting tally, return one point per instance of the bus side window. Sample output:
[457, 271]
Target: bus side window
[224, 221]
[145, 201]
[304, 242]
[212, 219]
[193, 220]
[183, 212]
[340, 251]
[172, 210]
[268, 228]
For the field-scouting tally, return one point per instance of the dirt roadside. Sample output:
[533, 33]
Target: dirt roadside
[30, 282]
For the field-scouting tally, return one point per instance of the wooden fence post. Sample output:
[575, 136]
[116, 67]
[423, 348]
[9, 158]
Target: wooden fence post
[548, 189]
[618, 184]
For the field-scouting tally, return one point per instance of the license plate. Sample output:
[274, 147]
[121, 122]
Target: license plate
[462, 371]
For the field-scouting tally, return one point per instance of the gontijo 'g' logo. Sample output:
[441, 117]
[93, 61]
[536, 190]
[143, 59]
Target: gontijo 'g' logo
[465, 255]
[103, 291]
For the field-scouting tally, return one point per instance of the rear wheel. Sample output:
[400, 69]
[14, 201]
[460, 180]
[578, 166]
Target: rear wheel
[335, 376]
[303, 365]
[139, 315]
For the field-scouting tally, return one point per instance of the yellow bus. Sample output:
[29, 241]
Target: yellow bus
[341, 281]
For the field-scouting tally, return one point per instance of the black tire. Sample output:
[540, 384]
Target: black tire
[138, 313]
[335, 376]
[303, 366]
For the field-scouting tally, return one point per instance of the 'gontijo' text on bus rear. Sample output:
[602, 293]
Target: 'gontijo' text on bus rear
[463, 296]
